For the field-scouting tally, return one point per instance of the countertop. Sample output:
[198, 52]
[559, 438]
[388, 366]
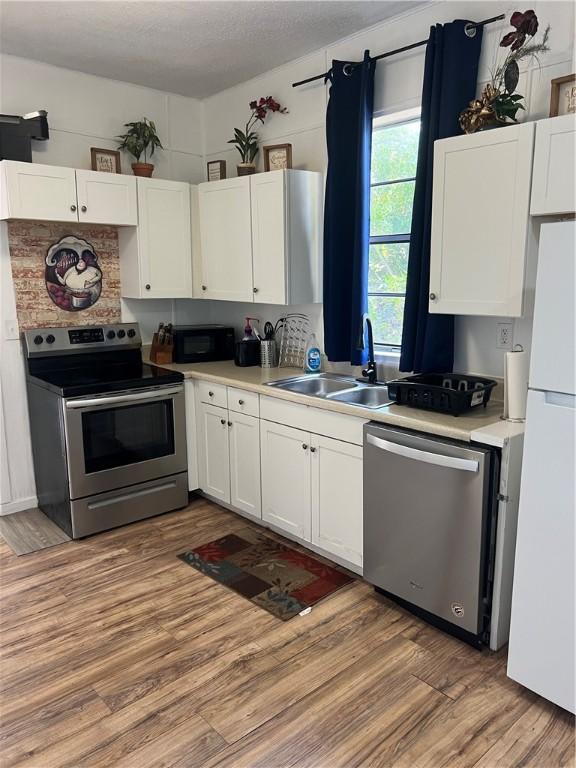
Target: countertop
[482, 425]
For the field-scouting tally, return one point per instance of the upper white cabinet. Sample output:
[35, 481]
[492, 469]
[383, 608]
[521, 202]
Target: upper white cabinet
[480, 213]
[553, 188]
[226, 247]
[51, 193]
[43, 192]
[261, 238]
[156, 256]
[106, 198]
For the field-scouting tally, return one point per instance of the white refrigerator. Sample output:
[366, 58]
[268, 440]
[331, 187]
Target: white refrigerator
[542, 637]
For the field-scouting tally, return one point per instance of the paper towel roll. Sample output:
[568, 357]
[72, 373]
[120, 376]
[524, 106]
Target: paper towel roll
[516, 385]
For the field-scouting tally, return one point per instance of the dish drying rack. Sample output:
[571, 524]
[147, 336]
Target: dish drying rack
[295, 332]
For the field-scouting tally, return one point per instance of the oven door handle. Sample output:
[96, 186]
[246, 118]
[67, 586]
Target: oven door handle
[133, 397]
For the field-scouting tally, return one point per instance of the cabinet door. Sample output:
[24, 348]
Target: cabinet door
[286, 478]
[213, 452]
[480, 222]
[43, 192]
[106, 198]
[165, 241]
[245, 464]
[191, 435]
[269, 237]
[337, 512]
[226, 239]
[553, 189]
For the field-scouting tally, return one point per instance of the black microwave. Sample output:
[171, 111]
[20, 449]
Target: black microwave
[202, 343]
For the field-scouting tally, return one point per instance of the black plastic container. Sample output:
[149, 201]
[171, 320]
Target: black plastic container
[453, 393]
[247, 353]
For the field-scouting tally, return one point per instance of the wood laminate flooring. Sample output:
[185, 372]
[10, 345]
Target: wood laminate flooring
[29, 531]
[115, 653]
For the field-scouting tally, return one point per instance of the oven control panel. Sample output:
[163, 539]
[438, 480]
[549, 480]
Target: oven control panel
[41, 342]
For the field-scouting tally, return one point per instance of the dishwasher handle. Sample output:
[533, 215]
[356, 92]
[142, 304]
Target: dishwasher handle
[451, 462]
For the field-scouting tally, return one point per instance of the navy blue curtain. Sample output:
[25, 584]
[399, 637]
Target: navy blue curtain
[450, 74]
[347, 207]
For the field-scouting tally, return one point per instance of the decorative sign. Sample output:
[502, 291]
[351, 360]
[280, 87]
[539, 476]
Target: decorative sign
[105, 160]
[216, 170]
[73, 277]
[277, 157]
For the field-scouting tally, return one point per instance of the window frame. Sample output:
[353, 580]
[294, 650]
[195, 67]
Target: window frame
[386, 121]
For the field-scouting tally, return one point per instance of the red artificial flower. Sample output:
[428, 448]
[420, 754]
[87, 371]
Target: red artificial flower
[526, 23]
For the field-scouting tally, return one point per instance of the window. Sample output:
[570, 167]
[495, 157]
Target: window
[394, 155]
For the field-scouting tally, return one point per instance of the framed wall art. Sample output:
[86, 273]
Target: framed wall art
[563, 95]
[105, 160]
[277, 157]
[216, 170]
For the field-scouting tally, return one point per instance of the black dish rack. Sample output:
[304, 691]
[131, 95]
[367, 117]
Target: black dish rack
[453, 393]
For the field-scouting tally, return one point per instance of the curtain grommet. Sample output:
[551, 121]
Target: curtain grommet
[347, 69]
[470, 30]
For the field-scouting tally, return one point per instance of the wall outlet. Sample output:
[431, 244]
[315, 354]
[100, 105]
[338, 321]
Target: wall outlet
[504, 336]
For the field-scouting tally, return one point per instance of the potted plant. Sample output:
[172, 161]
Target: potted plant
[246, 141]
[498, 104]
[141, 138]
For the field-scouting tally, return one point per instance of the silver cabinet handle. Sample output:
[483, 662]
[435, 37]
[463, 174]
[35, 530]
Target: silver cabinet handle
[222, 421]
[83, 209]
[240, 402]
[304, 446]
[147, 286]
[72, 207]
[451, 462]
[312, 450]
[210, 394]
[432, 297]
[229, 423]
[255, 290]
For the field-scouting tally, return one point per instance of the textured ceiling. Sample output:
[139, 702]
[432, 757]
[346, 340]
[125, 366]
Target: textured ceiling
[195, 48]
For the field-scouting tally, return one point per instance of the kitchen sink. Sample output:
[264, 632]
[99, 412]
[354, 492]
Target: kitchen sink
[318, 385]
[329, 386]
[366, 396]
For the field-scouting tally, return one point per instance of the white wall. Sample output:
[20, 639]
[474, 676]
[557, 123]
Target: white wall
[398, 87]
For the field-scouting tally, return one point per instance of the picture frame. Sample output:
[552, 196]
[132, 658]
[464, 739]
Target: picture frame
[563, 95]
[216, 170]
[277, 157]
[105, 160]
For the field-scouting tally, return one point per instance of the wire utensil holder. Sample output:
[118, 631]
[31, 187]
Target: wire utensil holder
[295, 333]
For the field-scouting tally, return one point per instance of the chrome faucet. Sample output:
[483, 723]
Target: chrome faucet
[370, 371]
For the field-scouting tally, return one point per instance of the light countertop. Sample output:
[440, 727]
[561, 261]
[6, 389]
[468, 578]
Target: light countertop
[482, 425]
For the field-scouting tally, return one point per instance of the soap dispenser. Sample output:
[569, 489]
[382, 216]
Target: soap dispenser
[313, 356]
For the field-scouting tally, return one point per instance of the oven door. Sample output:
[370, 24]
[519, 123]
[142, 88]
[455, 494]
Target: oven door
[120, 439]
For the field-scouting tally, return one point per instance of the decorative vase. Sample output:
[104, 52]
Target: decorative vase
[246, 169]
[143, 169]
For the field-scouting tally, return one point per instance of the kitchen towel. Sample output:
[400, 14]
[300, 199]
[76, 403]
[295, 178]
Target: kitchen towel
[515, 385]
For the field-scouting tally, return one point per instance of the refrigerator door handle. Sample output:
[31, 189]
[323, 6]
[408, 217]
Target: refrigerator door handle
[451, 462]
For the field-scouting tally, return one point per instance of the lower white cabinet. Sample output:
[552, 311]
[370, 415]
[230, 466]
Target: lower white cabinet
[214, 457]
[286, 478]
[244, 449]
[337, 504]
[229, 457]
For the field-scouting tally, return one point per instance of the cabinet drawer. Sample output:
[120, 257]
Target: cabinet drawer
[243, 402]
[214, 394]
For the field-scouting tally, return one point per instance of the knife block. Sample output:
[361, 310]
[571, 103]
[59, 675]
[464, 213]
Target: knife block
[161, 354]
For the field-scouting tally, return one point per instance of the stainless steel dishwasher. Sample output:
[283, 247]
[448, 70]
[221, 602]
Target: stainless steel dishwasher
[429, 526]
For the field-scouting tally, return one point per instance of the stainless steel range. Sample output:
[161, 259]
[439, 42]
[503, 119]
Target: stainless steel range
[108, 431]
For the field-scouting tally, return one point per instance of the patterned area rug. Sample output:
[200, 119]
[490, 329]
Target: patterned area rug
[271, 575]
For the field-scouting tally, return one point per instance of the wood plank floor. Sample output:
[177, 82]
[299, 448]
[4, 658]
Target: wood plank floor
[115, 653]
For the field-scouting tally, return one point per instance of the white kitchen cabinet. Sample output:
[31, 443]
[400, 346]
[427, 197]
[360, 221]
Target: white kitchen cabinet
[106, 198]
[286, 211]
[553, 189]
[261, 238]
[213, 452]
[244, 451]
[33, 191]
[337, 505]
[191, 435]
[226, 241]
[480, 215]
[286, 478]
[156, 256]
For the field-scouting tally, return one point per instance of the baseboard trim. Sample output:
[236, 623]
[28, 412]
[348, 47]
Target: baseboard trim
[19, 505]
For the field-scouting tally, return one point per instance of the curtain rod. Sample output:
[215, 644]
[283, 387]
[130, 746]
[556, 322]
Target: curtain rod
[401, 50]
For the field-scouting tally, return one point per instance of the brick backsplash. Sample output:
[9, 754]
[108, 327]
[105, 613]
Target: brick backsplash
[29, 242]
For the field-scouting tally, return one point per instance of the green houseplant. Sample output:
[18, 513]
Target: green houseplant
[246, 141]
[141, 139]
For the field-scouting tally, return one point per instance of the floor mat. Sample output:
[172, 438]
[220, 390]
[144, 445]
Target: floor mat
[30, 530]
[278, 578]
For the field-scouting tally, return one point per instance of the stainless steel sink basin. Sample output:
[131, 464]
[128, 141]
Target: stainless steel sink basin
[318, 385]
[365, 396]
[342, 389]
